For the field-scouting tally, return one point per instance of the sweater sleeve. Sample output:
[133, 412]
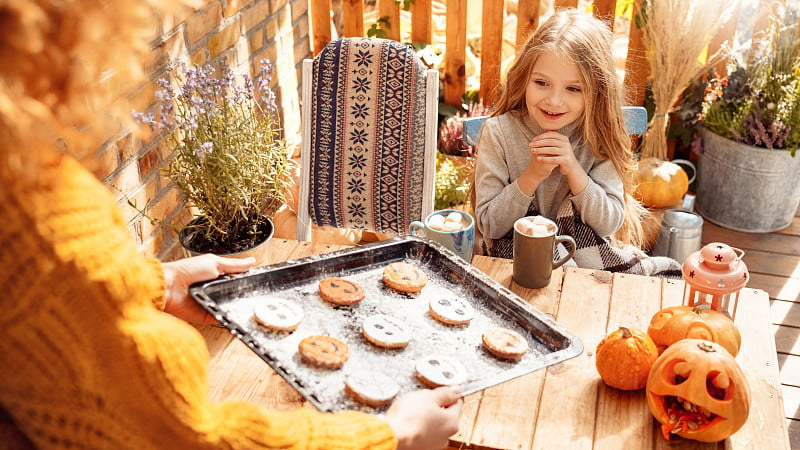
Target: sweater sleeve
[88, 358]
[499, 201]
[601, 204]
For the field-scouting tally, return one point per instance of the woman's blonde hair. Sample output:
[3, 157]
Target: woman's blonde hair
[64, 66]
[587, 42]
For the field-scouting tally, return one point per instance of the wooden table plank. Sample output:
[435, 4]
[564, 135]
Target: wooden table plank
[503, 420]
[765, 427]
[619, 413]
[568, 402]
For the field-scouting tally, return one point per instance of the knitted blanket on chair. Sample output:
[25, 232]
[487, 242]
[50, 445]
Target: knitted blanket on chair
[594, 251]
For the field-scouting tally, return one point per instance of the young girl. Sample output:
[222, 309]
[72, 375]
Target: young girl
[556, 145]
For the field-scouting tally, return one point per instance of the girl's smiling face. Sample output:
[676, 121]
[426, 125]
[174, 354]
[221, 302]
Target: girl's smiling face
[554, 94]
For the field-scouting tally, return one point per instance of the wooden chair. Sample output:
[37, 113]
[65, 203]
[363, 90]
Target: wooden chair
[369, 129]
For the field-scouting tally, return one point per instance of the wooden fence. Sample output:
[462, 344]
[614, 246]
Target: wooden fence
[528, 13]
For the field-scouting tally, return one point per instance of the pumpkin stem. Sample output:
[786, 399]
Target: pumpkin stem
[706, 347]
[626, 332]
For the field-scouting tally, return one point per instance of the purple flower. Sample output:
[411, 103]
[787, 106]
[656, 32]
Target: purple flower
[204, 149]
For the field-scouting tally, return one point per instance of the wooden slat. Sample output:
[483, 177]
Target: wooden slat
[789, 366]
[637, 69]
[757, 353]
[787, 339]
[618, 404]
[794, 431]
[527, 21]
[421, 16]
[783, 312]
[779, 288]
[566, 386]
[455, 78]
[353, 17]
[791, 402]
[391, 10]
[565, 4]
[491, 50]
[773, 243]
[604, 10]
[320, 23]
[772, 263]
[520, 395]
[726, 33]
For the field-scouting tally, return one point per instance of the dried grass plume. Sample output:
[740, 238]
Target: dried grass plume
[676, 32]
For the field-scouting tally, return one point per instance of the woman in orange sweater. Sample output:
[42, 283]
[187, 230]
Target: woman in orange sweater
[89, 358]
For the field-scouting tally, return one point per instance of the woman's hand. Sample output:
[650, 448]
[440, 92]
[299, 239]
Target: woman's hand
[425, 419]
[550, 150]
[180, 274]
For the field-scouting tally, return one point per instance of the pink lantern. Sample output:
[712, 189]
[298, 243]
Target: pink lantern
[713, 275]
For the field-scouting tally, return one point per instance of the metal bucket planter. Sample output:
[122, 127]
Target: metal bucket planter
[746, 188]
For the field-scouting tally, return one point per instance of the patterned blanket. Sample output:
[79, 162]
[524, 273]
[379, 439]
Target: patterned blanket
[594, 251]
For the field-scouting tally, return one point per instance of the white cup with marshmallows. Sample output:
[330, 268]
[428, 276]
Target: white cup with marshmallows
[453, 228]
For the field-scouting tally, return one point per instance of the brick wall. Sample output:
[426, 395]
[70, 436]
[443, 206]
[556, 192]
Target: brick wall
[243, 31]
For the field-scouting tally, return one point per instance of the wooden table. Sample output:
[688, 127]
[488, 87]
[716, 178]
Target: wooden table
[565, 405]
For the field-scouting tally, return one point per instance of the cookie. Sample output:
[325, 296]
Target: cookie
[278, 313]
[371, 388]
[505, 343]
[341, 291]
[324, 351]
[386, 331]
[404, 277]
[439, 370]
[452, 311]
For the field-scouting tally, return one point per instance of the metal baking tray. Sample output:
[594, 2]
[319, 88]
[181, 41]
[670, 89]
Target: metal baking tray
[231, 300]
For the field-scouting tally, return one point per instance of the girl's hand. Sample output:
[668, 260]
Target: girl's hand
[180, 274]
[552, 149]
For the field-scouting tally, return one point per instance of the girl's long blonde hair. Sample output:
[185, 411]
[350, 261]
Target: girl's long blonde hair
[587, 42]
[66, 68]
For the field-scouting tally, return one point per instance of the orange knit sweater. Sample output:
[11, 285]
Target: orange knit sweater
[89, 360]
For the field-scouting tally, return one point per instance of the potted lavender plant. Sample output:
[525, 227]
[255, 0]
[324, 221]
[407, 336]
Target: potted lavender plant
[749, 123]
[228, 159]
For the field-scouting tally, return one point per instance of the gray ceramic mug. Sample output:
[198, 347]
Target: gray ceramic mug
[535, 240]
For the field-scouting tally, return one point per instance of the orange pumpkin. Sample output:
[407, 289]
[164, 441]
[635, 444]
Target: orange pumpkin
[624, 357]
[674, 323]
[660, 183]
[697, 391]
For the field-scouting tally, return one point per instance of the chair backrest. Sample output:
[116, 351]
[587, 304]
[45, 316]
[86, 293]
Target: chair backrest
[369, 119]
[635, 118]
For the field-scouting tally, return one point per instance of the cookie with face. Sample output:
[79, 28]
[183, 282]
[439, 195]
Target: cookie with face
[440, 370]
[371, 387]
[341, 291]
[404, 277]
[452, 310]
[324, 351]
[386, 331]
[278, 314]
[505, 343]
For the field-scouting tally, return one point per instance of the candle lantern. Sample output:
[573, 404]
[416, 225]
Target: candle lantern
[714, 275]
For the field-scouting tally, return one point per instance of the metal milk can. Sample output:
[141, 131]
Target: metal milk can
[680, 235]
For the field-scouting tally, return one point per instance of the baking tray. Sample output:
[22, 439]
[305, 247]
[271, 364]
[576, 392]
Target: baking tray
[231, 300]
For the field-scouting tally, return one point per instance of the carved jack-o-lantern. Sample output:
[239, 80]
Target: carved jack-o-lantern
[674, 323]
[698, 391]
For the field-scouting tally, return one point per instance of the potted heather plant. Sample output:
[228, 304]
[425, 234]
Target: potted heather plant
[228, 159]
[749, 125]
